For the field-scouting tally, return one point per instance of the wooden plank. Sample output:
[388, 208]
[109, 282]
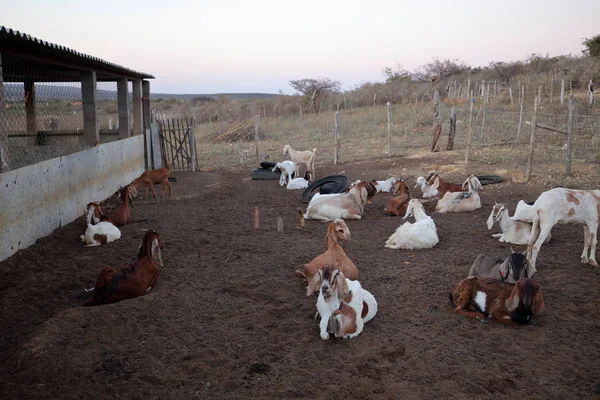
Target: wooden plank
[156, 147]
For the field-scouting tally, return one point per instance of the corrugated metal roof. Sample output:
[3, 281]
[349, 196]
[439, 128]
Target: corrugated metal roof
[13, 35]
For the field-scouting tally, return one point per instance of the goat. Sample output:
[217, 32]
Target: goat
[154, 177]
[427, 190]
[436, 182]
[299, 183]
[513, 231]
[94, 213]
[387, 185]
[287, 169]
[349, 205]
[565, 206]
[306, 157]
[524, 211]
[335, 254]
[397, 205]
[104, 231]
[487, 298]
[510, 269]
[121, 214]
[335, 290]
[133, 280]
[420, 235]
[461, 201]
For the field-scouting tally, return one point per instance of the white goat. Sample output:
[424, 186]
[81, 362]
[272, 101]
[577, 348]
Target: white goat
[287, 169]
[419, 235]
[565, 206]
[524, 211]
[428, 190]
[344, 306]
[101, 233]
[299, 183]
[328, 207]
[461, 201]
[306, 157]
[513, 231]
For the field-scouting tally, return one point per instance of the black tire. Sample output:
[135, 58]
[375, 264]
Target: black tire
[489, 179]
[339, 183]
[267, 164]
[265, 174]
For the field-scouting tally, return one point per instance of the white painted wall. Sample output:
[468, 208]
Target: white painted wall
[37, 199]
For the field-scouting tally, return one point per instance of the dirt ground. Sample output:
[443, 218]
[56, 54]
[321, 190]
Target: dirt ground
[228, 318]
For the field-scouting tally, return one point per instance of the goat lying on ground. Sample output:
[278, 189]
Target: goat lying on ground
[133, 280]
[154, 177]
[335, 255]
[510, 269]
[420, 235]
[513, 231]
[349, 205]
[120, 215]
[335, 290]
[486, 298]
[306, 157]
[427, 190]
[565, 206]
[461, 201]
[104, 231]
[299, 183]
[436, 182]
[287, 169]
[397, 205]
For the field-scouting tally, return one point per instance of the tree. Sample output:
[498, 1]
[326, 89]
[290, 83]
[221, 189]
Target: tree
[592, 46]
[437, 70]
[396, 75]
[313, 88]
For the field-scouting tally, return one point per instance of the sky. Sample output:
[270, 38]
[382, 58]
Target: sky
[244, 46]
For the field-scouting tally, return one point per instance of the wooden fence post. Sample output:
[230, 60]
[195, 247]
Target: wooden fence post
[591, 93]
[485, 100]
[336, 153]
[256, 218]
[562, 92]
[536, 103]
[256, 122]
[301, 222]
[570, 136]
[437, 122]
[468, 89]
[521, 101]
[389, 129]
[192, 144]
[469, 130]
[552, 86]
[452, 131]
[510, 95]
[279, 224]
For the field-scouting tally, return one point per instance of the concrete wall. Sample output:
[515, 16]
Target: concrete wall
[37, 199]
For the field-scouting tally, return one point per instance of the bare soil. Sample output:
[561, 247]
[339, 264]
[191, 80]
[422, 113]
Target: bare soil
[228, 318]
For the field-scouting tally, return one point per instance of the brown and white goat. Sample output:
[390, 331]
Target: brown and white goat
[565, 206]
[306, 157]
[461, 201]
[397, 205]
[328, 207]
[154, 177]
[335, 254]
[486, 298]
[434, 180]
[133, 280]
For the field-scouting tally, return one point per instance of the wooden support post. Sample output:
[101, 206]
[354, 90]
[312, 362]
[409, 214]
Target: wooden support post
[256, 218]
[484, 105]
[157, 155]
[256, 125]
[562, 92]
[136, 107]
[336, 153]
[570, 137]
[4, 156]
[30, 109]
[437, 122]
[146, 104]
[192, 144]
[389, 129]
[469, 130]
[301, 222]
[123, 105]
[279, 224]
[521, 102]
[452, 131]
[536, 104]
[90, 108]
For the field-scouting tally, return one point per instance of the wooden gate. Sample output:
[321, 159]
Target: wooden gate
[178, 143]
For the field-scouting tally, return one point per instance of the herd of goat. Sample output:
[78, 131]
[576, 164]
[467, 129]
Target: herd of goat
[503, 290]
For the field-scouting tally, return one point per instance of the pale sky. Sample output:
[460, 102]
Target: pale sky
[226, 46]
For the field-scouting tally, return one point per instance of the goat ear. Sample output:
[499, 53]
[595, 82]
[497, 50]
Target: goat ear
[490, 220]
[529, 272]
[313, 285]
[538, 307]
[514, 299]
[436, 182]
[342, 287]
[504, 270]
[156, 252]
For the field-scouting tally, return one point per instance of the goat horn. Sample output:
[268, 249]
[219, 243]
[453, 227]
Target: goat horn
[145, 230]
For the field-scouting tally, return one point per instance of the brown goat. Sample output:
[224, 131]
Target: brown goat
[133, 280]
[397, 205]
[121, 214]
[335, 255]
[486, 298]
[442, 186]
[154, 177]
